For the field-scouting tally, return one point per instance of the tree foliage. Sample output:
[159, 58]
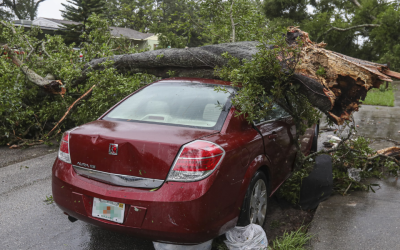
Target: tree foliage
[295, 10]
[212, 22]
[137, 15]
[266, 82]
[352, 155]
[28, 112]
[5, 11]
[190, 23]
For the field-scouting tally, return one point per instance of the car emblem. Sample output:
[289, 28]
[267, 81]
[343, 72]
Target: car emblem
[113, 149]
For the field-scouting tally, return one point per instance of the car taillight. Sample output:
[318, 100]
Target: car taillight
[63, 152]
[196, 161]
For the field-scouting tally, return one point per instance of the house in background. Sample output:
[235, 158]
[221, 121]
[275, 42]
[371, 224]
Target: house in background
[53, 26]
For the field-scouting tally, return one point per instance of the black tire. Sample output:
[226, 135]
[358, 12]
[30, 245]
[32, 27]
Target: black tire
[314, 146]
[246, 212]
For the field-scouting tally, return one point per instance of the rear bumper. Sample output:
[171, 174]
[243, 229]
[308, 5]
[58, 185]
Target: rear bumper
[184, 213]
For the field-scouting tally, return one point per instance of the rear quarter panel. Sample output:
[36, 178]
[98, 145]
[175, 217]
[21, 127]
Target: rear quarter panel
[244, 155]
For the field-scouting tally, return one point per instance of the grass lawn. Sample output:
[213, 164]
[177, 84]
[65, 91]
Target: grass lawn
[295, 240]
[381, 96]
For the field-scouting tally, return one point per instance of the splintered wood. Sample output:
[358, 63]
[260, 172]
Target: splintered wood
[392, 151]
[346, 80]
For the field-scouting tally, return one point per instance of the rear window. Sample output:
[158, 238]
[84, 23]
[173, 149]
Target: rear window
[176, 103]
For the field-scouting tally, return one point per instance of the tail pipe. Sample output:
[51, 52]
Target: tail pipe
[72, 219]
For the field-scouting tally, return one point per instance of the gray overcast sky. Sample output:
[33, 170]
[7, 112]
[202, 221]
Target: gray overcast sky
[51, 9]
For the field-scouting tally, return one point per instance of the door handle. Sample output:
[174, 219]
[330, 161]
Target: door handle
[273, 135]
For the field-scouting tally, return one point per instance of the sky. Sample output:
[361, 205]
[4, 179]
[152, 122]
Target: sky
[51, 9]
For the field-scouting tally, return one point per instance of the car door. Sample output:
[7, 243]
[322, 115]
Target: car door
[278, 131]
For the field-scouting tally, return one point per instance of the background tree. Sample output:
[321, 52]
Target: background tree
[294, 11]
[22, 9]
[160, 16]
[5, 12]
[79, 11]
[190, 23]
[174, 24]
[194, 23]
[138, 15]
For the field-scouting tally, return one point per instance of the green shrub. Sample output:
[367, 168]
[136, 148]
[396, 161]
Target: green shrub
[28, 112]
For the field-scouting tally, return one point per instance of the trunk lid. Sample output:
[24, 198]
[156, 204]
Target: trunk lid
[144, 150]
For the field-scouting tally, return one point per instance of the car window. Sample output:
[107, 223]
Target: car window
[276, 113]
[174, 103]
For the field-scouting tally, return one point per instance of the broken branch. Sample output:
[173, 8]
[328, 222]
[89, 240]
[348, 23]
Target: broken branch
[44, 49]
[70, 108]
[51, 86]
[349, 28]
[30, 74]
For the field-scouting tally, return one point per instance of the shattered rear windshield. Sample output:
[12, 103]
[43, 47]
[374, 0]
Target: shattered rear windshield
[176, 103]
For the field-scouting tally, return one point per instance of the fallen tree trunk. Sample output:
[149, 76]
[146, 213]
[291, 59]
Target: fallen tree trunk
[51, 86]
[336, 93]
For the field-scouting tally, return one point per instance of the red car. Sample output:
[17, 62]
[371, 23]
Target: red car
[172, 163]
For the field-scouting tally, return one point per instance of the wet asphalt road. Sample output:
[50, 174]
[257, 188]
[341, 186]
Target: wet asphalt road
[27, 222]
[360, 221]
[364, 220]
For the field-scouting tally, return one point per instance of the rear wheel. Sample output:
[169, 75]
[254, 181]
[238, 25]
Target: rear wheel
[255, 203]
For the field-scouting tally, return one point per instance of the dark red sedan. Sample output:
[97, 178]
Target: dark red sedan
[172, 163]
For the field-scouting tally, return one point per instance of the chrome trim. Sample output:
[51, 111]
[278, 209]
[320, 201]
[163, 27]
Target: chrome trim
[261, 123]
[272, 120]
[118, 179]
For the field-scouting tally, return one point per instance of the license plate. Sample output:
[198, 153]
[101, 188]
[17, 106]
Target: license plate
[108, 210]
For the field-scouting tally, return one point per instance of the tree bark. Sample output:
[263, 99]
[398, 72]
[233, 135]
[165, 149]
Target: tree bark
[191, 62]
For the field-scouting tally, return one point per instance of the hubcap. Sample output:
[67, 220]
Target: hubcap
[258, 203]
